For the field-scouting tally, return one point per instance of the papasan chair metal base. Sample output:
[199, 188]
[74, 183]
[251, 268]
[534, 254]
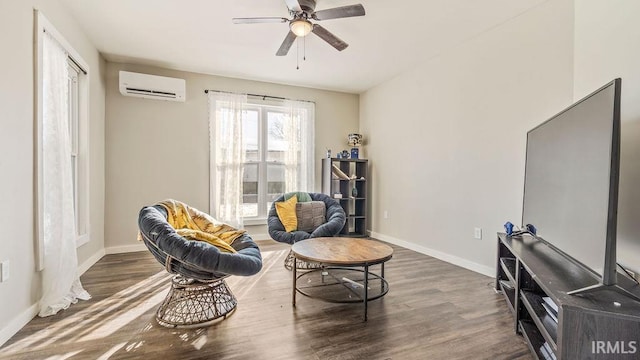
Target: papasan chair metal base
[191, 303]
[300, 264]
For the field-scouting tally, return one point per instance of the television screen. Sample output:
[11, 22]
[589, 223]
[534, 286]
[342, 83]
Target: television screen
[571, 180]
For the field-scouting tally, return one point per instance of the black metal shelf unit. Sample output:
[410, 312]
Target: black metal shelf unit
[348, 186]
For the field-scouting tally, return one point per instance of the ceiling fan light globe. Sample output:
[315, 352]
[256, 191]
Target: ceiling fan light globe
[301, 27]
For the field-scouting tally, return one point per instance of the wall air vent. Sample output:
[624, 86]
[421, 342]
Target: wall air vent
[152, 86]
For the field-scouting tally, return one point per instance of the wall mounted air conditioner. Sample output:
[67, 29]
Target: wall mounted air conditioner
[152, 86]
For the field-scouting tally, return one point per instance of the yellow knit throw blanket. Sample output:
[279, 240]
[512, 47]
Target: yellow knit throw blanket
[194, 224]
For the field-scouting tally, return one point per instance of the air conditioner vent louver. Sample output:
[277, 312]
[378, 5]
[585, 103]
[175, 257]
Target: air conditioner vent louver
[152, 86]
[151, 92]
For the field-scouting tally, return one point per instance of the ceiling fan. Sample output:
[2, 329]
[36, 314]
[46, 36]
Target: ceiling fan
[300, 25]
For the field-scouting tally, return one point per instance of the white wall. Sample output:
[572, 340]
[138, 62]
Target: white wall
[159, 149]
[21, 292]
[607, 45]
[447, 139]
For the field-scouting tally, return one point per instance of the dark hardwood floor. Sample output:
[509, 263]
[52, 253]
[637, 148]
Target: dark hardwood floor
[434, 310]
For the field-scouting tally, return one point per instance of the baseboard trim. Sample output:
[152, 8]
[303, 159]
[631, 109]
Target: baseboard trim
[452, 259]
[259, 237]
[90, 261]
[125, 249]
[18, 323]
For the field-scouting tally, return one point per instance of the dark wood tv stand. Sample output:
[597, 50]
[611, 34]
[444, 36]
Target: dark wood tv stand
[599, 325]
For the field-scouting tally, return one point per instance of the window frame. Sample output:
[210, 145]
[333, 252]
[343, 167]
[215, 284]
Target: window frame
[81, 183]
[263, 109]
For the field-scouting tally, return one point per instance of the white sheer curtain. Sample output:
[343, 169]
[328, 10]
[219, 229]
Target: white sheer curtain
[227, 156]
[299, 158]
[60, 282]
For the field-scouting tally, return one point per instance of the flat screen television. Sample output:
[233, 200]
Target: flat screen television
[571, 182]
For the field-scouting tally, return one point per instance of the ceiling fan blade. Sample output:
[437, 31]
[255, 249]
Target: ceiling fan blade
[325, 35]
[286, 44]
[258, 20]
[293, 5]
[340, 12]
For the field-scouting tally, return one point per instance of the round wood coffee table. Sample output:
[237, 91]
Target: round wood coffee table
[340, 279]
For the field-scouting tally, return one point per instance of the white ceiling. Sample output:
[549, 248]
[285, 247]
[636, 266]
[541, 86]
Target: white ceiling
[198, 36]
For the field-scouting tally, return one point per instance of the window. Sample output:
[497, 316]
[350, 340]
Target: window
[265, 144]
[76, 97]
[276, 153]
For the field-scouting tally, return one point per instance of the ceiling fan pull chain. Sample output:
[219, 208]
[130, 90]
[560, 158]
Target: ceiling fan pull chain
[297, 55]
[304, 49]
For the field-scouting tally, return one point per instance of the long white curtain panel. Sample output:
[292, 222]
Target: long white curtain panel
[60, 282]
[227, 152]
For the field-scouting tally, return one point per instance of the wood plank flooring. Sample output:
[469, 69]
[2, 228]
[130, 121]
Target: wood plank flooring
[434, 310]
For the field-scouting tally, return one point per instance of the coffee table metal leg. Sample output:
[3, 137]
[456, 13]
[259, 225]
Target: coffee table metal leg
[293, 300]
[382, 276]
[366, 290]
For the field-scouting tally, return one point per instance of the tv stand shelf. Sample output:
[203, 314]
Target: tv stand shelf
[528, 271]
[509, 267]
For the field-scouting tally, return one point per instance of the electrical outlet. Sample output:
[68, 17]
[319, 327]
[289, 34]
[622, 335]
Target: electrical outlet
[477, 233]
[4, 271]
[385, 214]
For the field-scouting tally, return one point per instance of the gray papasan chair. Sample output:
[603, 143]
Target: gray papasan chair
[335, 219]
[198, 295]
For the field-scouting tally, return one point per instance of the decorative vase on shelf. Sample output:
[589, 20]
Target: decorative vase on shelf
[354, 153]
[354, 192]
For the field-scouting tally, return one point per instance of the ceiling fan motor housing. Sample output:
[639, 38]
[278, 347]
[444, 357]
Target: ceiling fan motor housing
[308, 6]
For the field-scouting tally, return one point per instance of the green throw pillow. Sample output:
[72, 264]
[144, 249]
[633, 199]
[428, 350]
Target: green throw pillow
[301, 195]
